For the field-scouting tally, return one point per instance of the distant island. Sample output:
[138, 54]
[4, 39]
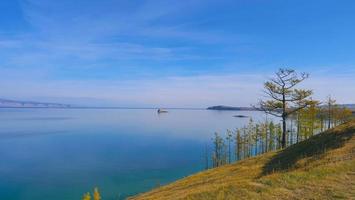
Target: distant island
[5, 103]
[221, 107]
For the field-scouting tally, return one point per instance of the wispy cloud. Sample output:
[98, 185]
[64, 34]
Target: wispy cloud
[196, 91]
[193, 91]
[100, 31]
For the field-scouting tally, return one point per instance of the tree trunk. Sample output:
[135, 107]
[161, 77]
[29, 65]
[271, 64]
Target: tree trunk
[298, 127]
[229, 152]
[329, 115]
[283, 141]
[284, 114]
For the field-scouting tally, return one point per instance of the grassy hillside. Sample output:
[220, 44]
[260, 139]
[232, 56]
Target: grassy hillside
[322, 167]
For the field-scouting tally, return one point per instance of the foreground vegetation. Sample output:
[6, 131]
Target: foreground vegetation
[320, 167]
[301, 117]
[95, 195]
[261, 137]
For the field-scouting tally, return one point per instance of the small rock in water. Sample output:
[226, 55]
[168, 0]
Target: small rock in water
[240, 116]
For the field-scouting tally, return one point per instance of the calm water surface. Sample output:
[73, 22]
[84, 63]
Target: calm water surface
[62, 153]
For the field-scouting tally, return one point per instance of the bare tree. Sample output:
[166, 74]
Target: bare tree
[330, 111]
[284, 98]
[229, 139]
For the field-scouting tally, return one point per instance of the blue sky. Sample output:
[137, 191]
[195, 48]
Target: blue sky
[191, 53]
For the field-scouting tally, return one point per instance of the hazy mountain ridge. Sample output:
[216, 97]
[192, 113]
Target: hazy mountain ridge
[6, 103]
[350, 106]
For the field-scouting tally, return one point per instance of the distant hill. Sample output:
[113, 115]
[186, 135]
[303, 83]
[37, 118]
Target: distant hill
[221, 107]
[321, 167]
[350, 106]
[5, 103]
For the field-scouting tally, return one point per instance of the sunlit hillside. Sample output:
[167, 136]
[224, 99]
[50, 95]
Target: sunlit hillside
[322, 167]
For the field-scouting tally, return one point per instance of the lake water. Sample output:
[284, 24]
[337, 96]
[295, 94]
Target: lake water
[61, 153]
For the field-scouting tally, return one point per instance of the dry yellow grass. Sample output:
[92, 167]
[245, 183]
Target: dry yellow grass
[322, 167]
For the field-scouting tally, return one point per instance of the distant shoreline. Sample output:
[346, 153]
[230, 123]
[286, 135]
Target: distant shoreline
[99, 107]
[122, 108]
